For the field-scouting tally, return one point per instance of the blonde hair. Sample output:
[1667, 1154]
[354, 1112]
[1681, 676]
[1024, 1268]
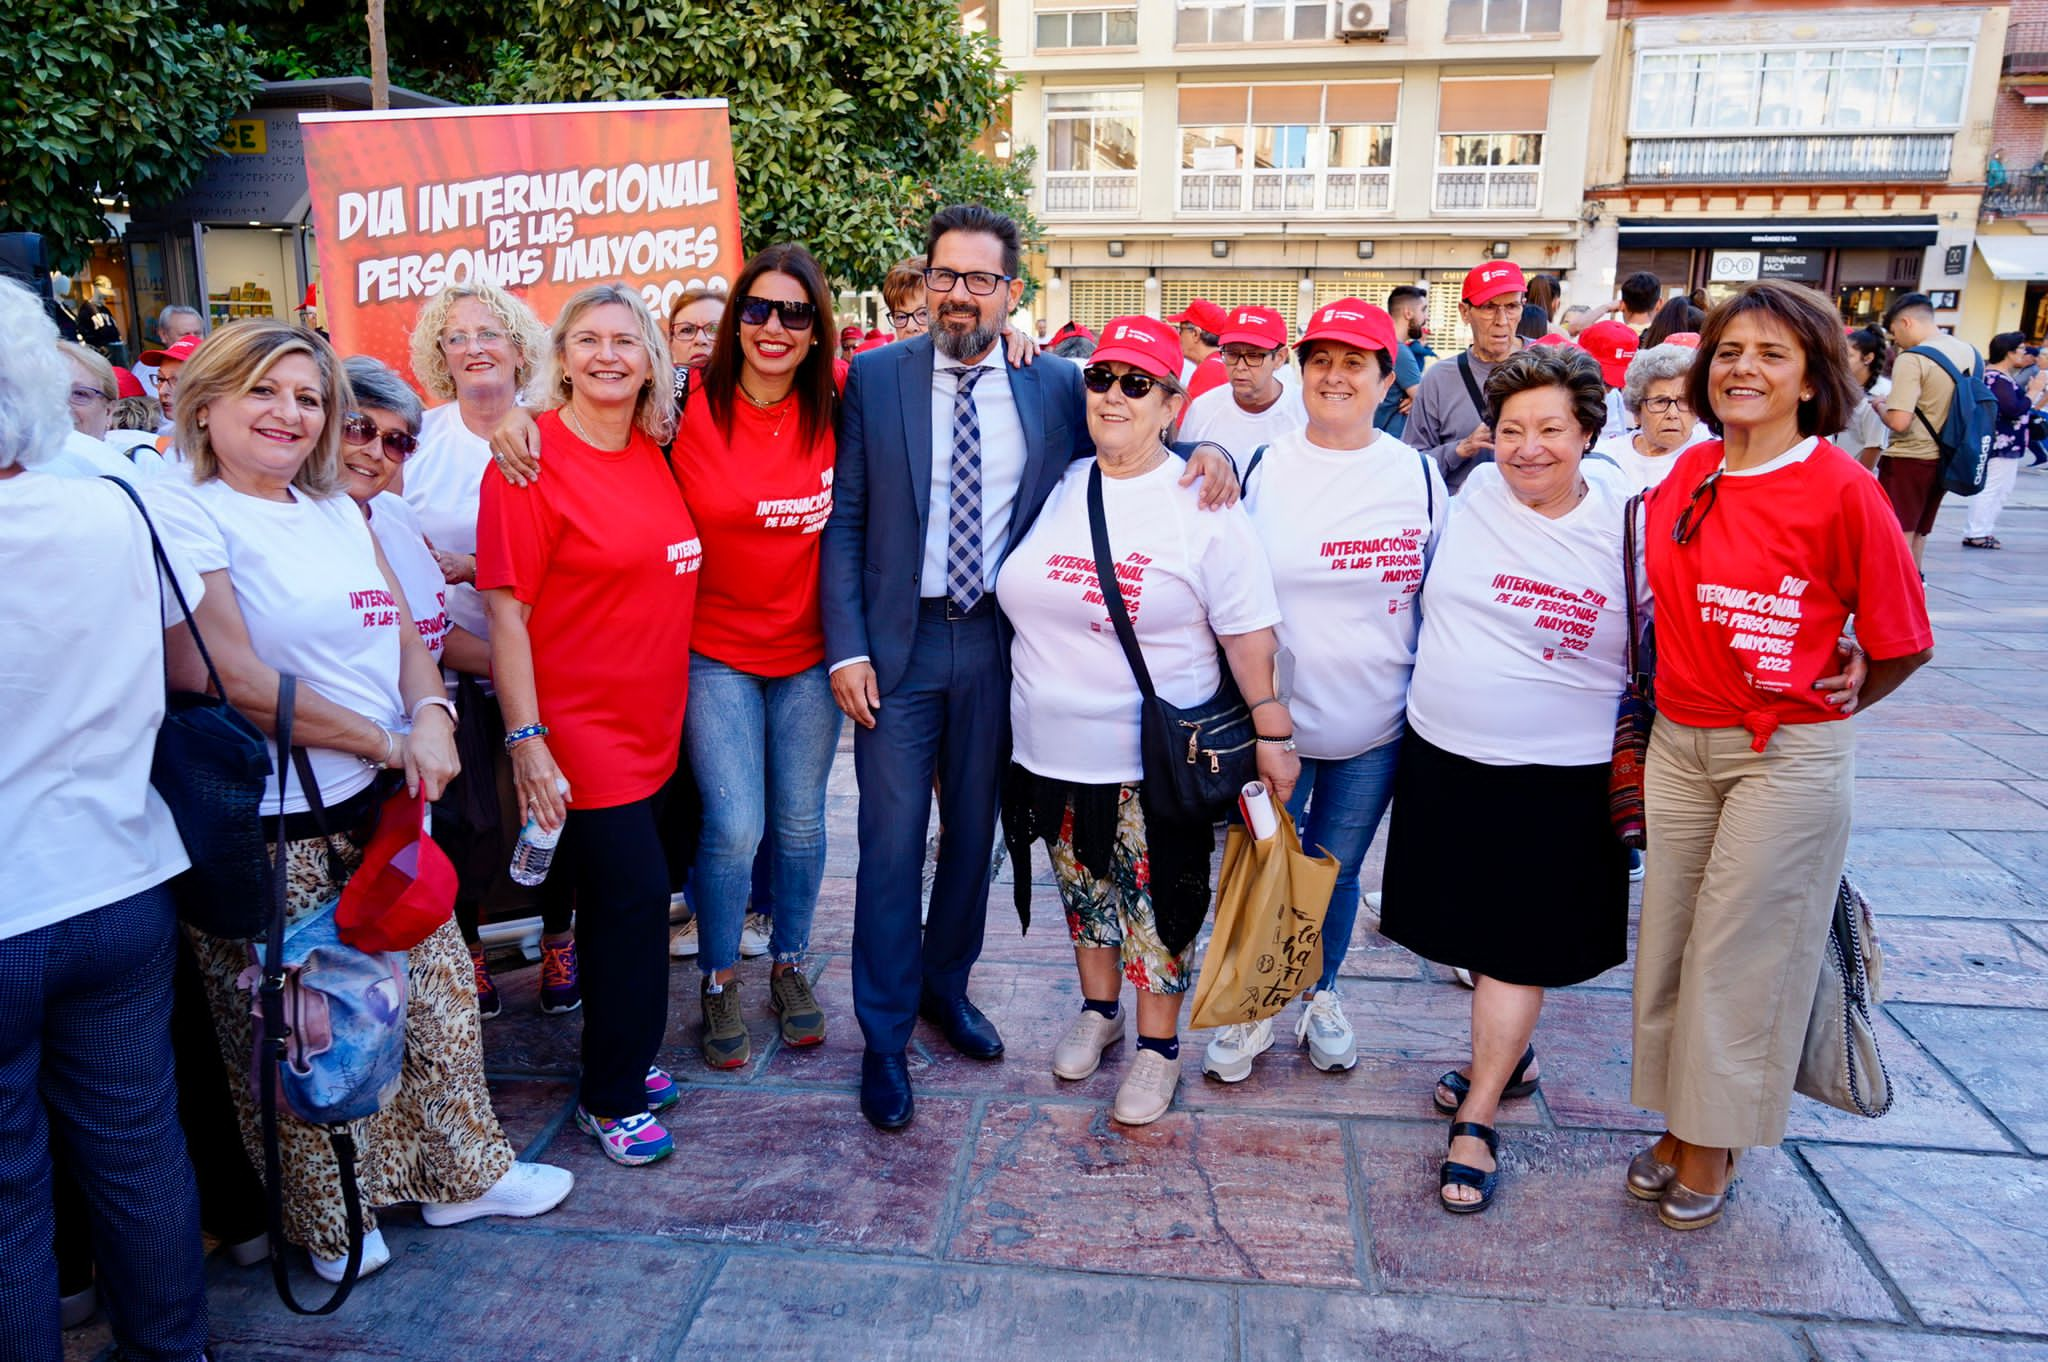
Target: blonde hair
[430, 363]
[233, 360]
[96, 363]
[654, 412]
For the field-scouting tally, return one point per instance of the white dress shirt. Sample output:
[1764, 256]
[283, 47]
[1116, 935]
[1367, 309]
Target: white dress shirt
[1002, 465]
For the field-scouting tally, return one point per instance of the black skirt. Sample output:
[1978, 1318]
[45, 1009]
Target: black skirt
[1513, 872]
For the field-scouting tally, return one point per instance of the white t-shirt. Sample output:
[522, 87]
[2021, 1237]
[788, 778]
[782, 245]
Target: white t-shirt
[1524, 627]
[1617, 415]
[1186, 576]
[1216, 416]
[82, 686]
[1643, 472]
[305, 575]
[419, 576]
[442, 479]
[1866, 428]
[138, 447]
[1349, 534]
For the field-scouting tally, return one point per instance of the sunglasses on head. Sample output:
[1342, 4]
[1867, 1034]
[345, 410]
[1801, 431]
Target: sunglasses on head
[795, 316]
[1696, 508]
[359, 430]
[1135, 385]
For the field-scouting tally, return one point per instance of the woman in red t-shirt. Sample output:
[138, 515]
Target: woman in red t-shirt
[1761, 546]
[590, 575]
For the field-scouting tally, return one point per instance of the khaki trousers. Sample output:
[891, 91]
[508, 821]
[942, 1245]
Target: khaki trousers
[1745, 854]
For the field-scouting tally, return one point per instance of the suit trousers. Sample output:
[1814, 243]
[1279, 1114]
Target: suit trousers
[1745, 854]
[950, 715]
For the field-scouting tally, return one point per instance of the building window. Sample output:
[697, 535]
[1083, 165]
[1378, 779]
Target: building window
[1504, 18]
[1091, 163]
[1251, 21]
[1490, 149]
[1818, 91]
[1099, 27]
[1287, 148]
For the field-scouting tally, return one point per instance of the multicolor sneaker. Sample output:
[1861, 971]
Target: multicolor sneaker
[559, 991]
[663, 1092]
[488, 1004]
[631, 1140]
[755, 934]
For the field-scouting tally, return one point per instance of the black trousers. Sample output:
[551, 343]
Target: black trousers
[611, 860]
[476, 820]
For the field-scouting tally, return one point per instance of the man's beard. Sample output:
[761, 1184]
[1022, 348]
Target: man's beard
[964, 346]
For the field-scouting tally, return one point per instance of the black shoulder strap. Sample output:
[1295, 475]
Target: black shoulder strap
[1112, 595]
[165, 574]
[1428, 492]
[1955, 379]
[1244, 484]
[1472, 385]
[1628, 577]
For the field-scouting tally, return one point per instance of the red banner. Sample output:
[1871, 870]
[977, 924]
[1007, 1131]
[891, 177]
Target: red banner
[541, 200]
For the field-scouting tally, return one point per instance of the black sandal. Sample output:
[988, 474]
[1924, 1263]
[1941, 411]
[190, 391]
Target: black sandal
[1461, 1085]
[1465, 1175]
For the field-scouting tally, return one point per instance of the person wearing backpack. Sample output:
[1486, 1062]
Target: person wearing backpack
[1917, 412]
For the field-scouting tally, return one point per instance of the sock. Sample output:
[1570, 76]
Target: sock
[1168, 1046]
[1108, 1009]
[711, 985]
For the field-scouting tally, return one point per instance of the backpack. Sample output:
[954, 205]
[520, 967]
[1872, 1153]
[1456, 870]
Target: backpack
[1965, 437]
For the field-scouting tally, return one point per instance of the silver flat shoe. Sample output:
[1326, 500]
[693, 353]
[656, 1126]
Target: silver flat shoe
[1649, 1177]
[1681, 1208]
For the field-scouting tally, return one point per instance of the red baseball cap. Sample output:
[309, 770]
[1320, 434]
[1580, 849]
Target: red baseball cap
[1689, 339]
[1072, 329]
[1260, 326]
[1491, 280]
[1351, 322]
[1204, 314]
[126, 384]
[177, 352]
[1145, 343]
[873, 342]
[851, 333]
[1612, 344]
[1554, 338]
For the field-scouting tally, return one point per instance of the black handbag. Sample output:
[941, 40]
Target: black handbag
[1196, 759]
[211, 767]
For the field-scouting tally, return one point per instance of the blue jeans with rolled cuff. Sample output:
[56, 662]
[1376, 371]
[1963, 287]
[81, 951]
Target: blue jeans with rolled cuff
[1345, 800]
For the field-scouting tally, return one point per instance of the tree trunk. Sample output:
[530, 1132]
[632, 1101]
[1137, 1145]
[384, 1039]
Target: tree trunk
[380, 59]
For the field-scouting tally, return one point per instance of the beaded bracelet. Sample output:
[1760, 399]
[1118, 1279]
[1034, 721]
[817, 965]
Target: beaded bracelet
[526, 734]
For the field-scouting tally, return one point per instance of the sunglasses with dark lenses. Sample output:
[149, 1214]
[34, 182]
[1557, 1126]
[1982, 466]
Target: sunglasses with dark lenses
[1134, 384]
[360, 430]
[1695, 513]
[795, 316]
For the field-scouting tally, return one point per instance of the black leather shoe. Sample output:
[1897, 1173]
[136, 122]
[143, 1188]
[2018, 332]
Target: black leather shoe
[963, 1025]
[885, 1090]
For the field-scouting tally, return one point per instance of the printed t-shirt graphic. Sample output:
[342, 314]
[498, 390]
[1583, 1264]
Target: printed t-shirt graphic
[419, 576]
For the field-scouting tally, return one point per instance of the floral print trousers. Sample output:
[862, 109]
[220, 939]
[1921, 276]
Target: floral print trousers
[1116, 911]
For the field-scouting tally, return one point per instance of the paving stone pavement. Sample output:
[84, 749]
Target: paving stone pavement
[1292, 1216]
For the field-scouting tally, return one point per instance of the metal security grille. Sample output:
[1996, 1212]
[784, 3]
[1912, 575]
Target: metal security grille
[1375, 292]
[1282, 295]
[1447, 333]
[1095, 301]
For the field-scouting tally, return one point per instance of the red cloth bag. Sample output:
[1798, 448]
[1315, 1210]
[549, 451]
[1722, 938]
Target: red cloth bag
[405, 889]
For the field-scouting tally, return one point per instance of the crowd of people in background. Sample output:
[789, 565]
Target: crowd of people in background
[626, 580]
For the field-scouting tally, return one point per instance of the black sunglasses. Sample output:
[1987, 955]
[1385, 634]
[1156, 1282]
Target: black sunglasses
[1134, 384]
[795, 316]
[1695, 513]
[359, 430]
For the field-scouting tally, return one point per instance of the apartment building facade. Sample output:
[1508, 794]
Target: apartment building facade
[2010, 263]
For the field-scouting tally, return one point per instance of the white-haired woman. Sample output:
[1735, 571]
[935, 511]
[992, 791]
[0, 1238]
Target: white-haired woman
[591, 578]
[1653, 392]
[87, 930]
[295, 582]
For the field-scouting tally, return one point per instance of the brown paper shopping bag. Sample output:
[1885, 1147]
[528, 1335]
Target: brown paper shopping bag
[1267, 945]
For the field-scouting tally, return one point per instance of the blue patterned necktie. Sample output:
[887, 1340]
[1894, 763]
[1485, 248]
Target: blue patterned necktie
[963, 512]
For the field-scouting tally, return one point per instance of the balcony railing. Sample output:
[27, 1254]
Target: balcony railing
[2023, 195]
[1286, 191]
[1091, 193]
[1488, 189]
[1840, 156]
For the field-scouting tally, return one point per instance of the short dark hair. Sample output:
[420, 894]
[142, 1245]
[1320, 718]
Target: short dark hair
[1639, 291]
[974, 217]
[816, 388]
[1209, 338]
[1406, 291]
[1907, 302]
[1075, 347]
[1551, 366]
[2005, 342]
[1816, 328]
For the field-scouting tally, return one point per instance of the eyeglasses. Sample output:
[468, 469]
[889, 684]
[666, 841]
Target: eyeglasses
[85, 397]
[689, 331]
[899, 320]
[1657, 406]
[1695, 513]
[795, 316]
[359, 430]
[980, 283]
[1134, 384]
[1246, 354]
[459, 340]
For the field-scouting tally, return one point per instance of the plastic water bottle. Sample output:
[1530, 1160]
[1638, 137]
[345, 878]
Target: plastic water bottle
[536, 849]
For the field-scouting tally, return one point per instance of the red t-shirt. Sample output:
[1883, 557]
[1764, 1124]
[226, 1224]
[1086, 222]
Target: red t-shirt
[602, 548]
[759, 500]
[1750, 607]
[1210, 373]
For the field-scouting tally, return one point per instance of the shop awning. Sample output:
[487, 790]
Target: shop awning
[2032, 94]
[1749, 234]
[2015, 257]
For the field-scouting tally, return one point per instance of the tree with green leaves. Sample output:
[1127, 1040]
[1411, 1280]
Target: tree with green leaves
[109, 99]
[852, 120]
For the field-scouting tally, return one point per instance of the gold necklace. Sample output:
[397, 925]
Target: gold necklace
[576, 429]
[784, 402]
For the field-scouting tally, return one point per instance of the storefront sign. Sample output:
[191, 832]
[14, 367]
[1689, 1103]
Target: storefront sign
[1955, 260]
[259, 177]
[245, 137]
[1734, 267]
[542, 201]
[1804, 266]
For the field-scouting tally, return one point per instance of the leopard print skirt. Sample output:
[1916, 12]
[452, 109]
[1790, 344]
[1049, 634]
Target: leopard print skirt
[436, 1140]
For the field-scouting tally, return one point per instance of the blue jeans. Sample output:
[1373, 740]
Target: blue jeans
[762, 747]
[85, 1059]
[1349, 799]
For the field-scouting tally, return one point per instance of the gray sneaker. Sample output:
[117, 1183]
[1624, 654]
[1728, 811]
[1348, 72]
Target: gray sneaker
[803, 1020]
[726, 1045]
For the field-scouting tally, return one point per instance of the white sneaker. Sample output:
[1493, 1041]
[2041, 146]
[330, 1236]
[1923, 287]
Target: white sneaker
[754, 934]
[1373, 899]
[527, 1189]
[678, 906]
[1462, 975]
[1331, 1046]
[682, 942]
[1637, 864]
[1232, 1050]
[375, 1255]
